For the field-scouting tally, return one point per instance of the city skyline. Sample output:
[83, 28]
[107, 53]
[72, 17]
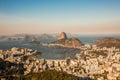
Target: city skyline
[54, 16]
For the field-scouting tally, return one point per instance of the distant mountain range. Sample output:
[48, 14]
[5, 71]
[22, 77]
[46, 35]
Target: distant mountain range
[28, 37]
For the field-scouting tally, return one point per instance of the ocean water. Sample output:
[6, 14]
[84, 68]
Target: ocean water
[47, 52]
[90, 39]
[52, 52]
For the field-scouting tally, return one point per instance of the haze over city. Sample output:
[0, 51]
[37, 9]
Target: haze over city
[53, 16]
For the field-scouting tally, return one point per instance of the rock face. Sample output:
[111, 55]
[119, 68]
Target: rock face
[108, 42]
[62, 36]
[67, 42]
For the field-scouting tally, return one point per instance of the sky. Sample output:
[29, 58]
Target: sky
[54, 16]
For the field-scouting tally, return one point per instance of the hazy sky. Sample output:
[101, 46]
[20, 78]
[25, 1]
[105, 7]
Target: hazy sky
[52, 16]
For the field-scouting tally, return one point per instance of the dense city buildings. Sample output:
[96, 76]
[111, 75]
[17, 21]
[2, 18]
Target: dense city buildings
[93, 62]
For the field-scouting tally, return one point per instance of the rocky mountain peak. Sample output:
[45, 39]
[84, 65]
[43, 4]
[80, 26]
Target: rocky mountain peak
[62, 36]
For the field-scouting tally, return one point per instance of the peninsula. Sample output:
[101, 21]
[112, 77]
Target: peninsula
[62, 41]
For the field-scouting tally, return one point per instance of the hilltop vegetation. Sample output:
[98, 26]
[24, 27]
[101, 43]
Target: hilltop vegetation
[47, 75]
[7, 68]
[108, 42]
